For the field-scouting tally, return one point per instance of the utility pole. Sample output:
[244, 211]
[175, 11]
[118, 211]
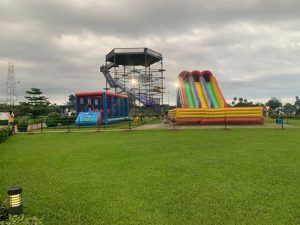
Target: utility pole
[11, 92]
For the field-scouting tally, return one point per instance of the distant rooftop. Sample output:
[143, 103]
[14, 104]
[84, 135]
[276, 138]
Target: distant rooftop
[133, 56]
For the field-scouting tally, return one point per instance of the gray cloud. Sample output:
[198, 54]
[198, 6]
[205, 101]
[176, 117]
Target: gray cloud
[252, 47]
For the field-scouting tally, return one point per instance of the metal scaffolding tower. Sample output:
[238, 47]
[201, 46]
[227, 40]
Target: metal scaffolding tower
[138, 72]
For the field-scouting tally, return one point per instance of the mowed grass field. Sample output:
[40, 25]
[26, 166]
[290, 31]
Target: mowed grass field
[294, 122]
[180, 177]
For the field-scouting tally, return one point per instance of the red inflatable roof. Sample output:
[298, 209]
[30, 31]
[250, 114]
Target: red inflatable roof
[98, 93]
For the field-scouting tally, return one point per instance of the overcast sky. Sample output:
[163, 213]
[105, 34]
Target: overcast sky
[252, 47]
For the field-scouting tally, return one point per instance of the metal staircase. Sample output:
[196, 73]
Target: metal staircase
[117, 84]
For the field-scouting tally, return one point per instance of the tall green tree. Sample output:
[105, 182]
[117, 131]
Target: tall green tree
[72, 101]
[289, 109]
[274, 104]
[36, 102]
[297, 105]
[35, 97]
[297, 102]
[242, 102]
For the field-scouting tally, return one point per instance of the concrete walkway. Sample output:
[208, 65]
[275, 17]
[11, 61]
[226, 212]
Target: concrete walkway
[196, 126]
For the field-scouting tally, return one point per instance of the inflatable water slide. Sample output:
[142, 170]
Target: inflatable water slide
[200, 101]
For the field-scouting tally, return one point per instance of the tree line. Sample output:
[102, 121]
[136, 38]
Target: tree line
[272, 107]
[37, 104]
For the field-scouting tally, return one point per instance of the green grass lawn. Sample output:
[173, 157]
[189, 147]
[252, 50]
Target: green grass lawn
[235, 176]
[295, 122]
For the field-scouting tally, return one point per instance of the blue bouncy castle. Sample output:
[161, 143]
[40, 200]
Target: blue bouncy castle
[93, 108]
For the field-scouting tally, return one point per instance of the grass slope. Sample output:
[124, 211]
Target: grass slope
[239, 176]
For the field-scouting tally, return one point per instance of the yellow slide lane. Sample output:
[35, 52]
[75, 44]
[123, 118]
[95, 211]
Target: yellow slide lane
[217, 92]
[201, 95]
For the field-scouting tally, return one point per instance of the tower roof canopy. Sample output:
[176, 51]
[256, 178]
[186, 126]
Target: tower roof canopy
[133, 56]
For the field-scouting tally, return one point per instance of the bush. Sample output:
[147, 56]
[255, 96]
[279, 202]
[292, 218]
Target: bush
[10, 131]
[3, 208]
[52, 119]
[51, 123]
[3, 134]
[65, 120]
[21, 220]
[16, 121]
[53, 115]
[22, 126]
[3, 122]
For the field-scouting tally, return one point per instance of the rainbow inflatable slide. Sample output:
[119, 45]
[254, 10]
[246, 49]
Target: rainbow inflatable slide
[200, 101]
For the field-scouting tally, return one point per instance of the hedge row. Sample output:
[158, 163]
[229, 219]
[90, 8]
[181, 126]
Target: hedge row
[54, 121]
[22, 220]
[5, 122]
[5, 133]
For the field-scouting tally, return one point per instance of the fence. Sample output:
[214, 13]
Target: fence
[68, 125]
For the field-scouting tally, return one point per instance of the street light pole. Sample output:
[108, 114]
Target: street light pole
[133, 82]
[168, 100]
